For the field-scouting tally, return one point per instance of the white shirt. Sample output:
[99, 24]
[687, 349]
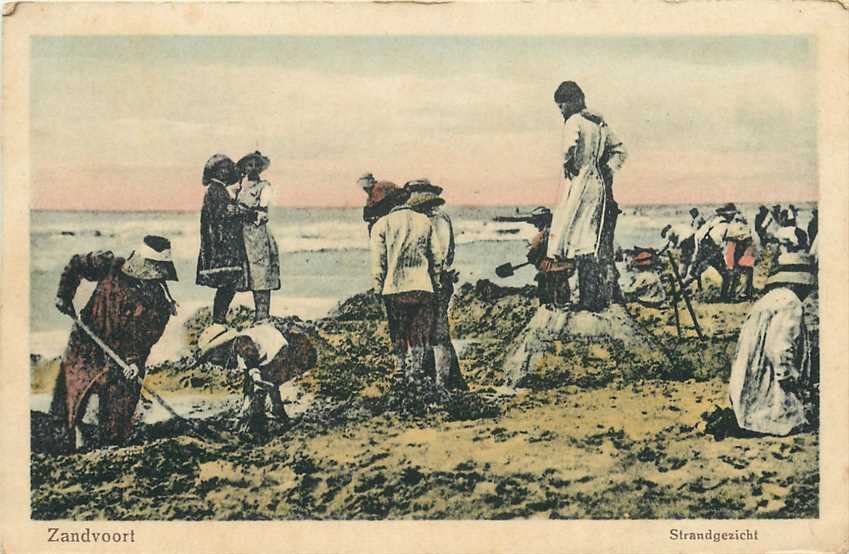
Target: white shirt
[268, 339]
[405, 253]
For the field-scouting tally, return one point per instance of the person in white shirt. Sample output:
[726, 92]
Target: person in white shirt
[267, 358]
[771, 377]
[406, 258]
[425, 198]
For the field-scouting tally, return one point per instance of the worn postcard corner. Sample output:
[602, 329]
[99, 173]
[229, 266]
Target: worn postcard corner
[360, 277]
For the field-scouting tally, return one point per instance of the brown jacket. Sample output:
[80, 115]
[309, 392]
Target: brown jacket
[130, 316]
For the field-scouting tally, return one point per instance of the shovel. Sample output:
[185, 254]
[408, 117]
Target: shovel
[508, 269]
[123, 365]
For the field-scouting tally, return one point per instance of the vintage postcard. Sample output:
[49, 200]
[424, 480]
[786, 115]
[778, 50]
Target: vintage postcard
[401, 277]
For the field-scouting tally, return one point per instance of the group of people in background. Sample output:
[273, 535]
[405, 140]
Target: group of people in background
[411, 242]
[727, 243]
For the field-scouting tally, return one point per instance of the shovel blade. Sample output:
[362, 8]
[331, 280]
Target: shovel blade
[504, 270]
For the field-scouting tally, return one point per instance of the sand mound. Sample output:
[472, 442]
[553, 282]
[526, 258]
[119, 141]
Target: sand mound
[552, 335]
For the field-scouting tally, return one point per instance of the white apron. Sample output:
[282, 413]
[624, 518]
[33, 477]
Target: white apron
[773, 344]
[578, 219]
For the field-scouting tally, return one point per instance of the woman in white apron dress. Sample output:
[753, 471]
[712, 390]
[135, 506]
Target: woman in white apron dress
[584, 221]
[262, 260]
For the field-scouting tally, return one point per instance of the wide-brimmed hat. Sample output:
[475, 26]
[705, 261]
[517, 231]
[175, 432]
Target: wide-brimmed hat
[794, 268]
[264, 161]
[394, 196]
[214, 336]
[423, 194]
[727, 209]
[213, 163]
[151, 260]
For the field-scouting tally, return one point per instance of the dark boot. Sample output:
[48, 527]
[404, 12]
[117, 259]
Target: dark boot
[223, 297]
[262, 305]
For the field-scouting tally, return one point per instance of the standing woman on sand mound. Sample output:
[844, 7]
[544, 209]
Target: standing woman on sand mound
[261, 273]
[222, 249]
[585, 219]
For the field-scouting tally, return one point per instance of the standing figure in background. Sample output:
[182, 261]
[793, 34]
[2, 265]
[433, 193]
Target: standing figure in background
[406, 258]
[222, 248]
[771, 373]
[740, 255]
[680, 237]
[763, 221]
[813, 226]
[697, 220]
[376, 205]
[128, 310]
[584, 222]
[425, 198]
[261, 273]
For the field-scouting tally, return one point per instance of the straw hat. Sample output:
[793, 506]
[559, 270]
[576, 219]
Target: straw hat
[151, 260]
[794, 268]
[264, 161]
[423, 194]
[214, 336]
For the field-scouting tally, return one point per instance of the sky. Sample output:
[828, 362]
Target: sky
[127, 123]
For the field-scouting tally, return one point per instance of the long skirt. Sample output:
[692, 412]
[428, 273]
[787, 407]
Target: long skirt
[262, 259]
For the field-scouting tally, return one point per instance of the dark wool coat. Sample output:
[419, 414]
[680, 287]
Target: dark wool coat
[129, 315]
[222, 247]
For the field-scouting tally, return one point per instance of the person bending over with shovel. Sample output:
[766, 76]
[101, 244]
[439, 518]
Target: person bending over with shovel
[267, 359]
[127, 312]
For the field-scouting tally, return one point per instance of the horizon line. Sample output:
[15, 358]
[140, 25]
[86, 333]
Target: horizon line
[458, 205]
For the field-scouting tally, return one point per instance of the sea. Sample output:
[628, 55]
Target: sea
[324, 257]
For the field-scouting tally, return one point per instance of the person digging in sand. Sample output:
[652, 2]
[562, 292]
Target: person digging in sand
[128, 311]
[267, 359]
[552, 276]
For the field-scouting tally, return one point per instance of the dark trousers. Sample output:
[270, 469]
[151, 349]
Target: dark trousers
[410, 316]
